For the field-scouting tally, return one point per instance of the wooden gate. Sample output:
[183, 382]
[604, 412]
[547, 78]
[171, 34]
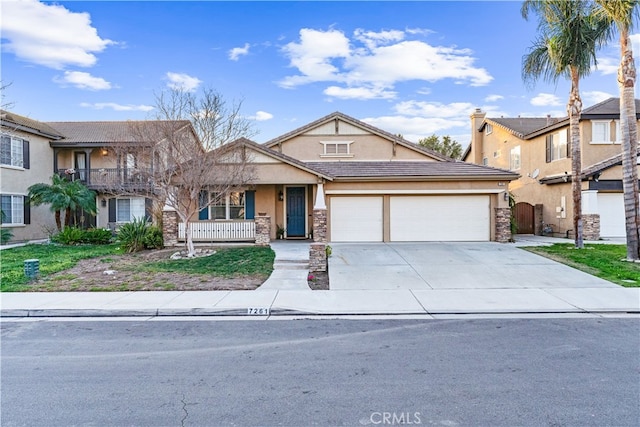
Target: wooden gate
[523, 213]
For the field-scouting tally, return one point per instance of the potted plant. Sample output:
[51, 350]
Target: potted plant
[280, 232]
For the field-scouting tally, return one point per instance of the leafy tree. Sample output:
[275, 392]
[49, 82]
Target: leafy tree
[446, 146]
[621, 15]
[569, 34]
[63, 195]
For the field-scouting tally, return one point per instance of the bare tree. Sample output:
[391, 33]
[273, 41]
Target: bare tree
[3, 87]
[184, 152]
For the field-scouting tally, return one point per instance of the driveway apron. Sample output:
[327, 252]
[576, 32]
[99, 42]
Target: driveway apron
[449, 265]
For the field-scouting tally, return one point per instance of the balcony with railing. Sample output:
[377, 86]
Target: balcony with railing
[110, 178]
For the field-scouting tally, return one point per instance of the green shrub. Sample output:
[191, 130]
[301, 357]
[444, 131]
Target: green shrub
[97, 236]
[131, 235]
[69, 236]
[5, 235]
[153, 239]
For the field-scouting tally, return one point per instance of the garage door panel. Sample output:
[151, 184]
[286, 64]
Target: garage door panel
[439, 218]
[611, 210]
[356, 219]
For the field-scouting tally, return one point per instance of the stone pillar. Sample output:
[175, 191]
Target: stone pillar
[170, 227]
[263, 230]
[537, 220]
[503, 225]
[320, 225]
[317, 257]
[591, 227]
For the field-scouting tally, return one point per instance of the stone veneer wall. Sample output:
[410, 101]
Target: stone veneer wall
[318, 249]
[170, 227]
[317, 257]
[591, 227]
[263, 230]
[503, 225]
[538, 220]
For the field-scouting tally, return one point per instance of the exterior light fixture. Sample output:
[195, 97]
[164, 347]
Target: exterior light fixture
[281, 196]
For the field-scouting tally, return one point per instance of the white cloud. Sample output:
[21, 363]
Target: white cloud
[593, 97]
[370, 60]
[545, 100]
[459, 110]
[415, 128]
[361, 93]
[608, 66]
[181, 81]
[116, 107]
[237, 52]
[83, 80]
[261, 116]
[49, 34]
[493, 98]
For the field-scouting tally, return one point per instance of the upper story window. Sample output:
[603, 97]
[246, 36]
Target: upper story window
[497, 153]
[485, 161]
[514, 160]
[337, 149]
[601, 132]
[556, 146]
[14, 152]
[488, 129]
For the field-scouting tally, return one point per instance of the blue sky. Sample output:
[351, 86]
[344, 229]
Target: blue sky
[414, 68]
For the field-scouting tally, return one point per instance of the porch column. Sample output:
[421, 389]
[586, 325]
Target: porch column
[263, 230]
[318, 249]
[169, 226]
[503, 225]
[590, 216]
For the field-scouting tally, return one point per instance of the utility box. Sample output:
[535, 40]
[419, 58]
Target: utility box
[31, 268]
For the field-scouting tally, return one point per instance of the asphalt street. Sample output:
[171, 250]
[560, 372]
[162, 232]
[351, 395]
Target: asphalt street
[480, 372]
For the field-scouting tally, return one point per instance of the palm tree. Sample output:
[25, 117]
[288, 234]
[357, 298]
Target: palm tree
[569, 35]
[621, 15]
[63, 195]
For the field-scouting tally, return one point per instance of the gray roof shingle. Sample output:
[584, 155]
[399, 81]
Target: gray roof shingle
[410, 170]
[107, 132]
[28, 125]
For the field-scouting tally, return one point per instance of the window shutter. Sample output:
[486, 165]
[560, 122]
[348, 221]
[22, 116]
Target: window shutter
[27, 210]
[112, 210]
[148, 209]
[203, 214]
[548, 147]
[25, 155]
[250, 205]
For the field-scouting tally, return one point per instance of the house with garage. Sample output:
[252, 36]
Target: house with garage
[25, 159]
[538, 150]
[367, 185]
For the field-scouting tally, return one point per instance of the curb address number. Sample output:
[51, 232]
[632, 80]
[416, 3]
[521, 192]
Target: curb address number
[258, 310]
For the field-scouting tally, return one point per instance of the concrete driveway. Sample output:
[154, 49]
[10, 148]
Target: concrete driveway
[438, 265]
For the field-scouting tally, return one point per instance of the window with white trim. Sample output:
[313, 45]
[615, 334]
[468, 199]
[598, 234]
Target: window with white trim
[514, 160]
[485, 161]
[11, 151]
[129, 209]
[601, 132]
[230, 206]
[337, 148]
[496, 154]
[12, 209]
[488, 129]
[557, 146]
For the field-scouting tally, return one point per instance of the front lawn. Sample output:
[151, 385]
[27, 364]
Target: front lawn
[106, 268]
[53, 259]
[600, 260]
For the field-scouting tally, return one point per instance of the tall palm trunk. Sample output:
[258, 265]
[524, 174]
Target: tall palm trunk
[574, 109]
[629, 129]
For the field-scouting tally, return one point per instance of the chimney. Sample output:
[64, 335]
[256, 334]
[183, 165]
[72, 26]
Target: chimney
[475, 155]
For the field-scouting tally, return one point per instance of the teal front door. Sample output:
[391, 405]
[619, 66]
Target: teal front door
[295, 212]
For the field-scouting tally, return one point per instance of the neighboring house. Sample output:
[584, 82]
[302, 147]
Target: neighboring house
[25, 159]
[111, 158]
[538, 149]
[375, 187]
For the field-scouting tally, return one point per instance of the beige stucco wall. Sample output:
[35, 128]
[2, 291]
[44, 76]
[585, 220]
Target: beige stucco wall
[363, 147]
[16, 181]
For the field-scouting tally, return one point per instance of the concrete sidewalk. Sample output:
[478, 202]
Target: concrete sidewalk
[333, 302]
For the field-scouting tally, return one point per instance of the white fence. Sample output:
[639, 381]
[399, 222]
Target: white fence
[218, 231]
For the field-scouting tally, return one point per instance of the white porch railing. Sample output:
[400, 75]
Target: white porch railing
[219, 231]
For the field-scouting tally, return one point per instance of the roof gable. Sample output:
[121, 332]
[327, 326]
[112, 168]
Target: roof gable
[339, 124]
[25, 124]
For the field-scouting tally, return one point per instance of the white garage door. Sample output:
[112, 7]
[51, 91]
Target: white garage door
[611, 209]
[439, 218]
[356, 219]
